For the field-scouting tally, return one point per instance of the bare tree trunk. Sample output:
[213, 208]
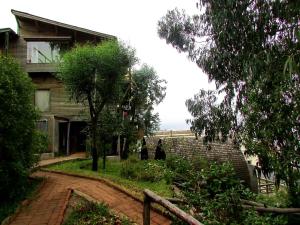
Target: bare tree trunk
[94, 146]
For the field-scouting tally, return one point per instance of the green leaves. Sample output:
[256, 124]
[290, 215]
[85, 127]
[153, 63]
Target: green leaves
[17, 128]
[215, 121]
[251, 51]
[94, 75]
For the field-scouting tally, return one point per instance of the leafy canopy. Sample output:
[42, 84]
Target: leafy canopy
[93, 75]
[148, 91]
[250, 48]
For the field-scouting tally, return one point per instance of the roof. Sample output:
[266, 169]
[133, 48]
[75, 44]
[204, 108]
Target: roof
[19, 14]
[9, 30]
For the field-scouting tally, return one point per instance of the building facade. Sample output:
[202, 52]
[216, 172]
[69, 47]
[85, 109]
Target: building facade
[38, 46]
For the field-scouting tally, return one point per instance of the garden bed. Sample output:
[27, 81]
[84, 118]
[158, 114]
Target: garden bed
[83, 212]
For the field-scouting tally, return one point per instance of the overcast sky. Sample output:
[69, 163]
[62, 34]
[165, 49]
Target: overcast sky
[135, 22]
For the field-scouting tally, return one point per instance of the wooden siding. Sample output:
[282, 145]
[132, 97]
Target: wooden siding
[27, 29]
[60, 103]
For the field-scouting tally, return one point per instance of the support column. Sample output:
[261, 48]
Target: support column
[68, 138]
[6, 45]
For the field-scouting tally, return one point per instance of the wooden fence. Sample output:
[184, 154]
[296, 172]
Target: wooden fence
[150, 196]
[266, 186]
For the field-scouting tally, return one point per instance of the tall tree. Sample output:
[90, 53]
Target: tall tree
[214, 121]
[92, 75]
[148, 91]
[250, 48]
[144, 90]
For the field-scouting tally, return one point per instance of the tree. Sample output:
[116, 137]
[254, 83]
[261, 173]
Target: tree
[250, 49]
[213, 120]
[143, 90]
[148, 91]
[17, 129]
[93, 76]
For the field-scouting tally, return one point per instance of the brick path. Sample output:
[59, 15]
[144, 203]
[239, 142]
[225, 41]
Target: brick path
[79, 155]
[48, 207]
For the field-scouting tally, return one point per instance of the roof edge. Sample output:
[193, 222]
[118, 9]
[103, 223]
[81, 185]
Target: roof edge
[64, 25]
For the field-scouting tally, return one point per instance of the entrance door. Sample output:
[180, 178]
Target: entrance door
[63, 137]
[77, 137]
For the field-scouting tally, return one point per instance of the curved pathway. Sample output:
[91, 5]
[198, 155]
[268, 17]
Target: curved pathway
[48, 207]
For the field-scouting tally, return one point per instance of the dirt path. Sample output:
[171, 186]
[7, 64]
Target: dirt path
[49, 205]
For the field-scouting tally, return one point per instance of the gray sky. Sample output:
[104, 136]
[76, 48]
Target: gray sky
[135, 22]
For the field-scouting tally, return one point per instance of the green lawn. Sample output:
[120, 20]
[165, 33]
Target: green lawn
[112, 173]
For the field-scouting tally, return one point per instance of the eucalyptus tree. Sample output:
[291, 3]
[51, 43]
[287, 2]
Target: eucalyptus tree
[149, 90]
[144, 90]
[250, 48]
[93, 75]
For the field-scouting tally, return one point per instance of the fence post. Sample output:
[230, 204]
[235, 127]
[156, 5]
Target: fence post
[146, 213]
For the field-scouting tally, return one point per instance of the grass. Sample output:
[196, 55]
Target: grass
[8, 208]
[113, 173]
[277, 199]
[88, 213]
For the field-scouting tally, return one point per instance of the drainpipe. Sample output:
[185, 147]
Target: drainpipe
[6, 45]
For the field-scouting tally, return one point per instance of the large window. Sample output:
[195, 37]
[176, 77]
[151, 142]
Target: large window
[45, 52]
[42, 100]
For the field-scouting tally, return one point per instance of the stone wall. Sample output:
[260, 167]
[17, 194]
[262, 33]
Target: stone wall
[220, 152]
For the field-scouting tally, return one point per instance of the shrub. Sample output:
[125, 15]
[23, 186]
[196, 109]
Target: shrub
[148, 170]
[17, 128]
[88, 213]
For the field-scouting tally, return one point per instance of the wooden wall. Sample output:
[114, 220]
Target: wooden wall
[60, 103]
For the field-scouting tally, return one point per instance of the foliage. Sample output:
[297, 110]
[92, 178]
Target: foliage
[145, 170]
[252, 217]
[93, 75]
[250, 49]
[109, 126]
[213, 193]
[278, 199]
[148, 90]
[8, 208]
[41, 142]
[209, 118]
[90, 213]
[17, 129]
[143, 91]
[113, 173]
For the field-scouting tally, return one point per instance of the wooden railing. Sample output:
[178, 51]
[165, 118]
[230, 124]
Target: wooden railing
[266, 186]
[150, 196]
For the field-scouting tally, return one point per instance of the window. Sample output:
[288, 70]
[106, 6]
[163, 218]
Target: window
[42, 125]
[45, 52]
[42, 100]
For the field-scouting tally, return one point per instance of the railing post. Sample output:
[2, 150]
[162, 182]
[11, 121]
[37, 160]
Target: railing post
[146, 213]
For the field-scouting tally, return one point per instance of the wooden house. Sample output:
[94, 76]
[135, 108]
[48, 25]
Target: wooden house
[37, 46]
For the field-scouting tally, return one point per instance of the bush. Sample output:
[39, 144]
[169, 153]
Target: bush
[88, 213]
[148, 170]
[213, 193]
[17, 128]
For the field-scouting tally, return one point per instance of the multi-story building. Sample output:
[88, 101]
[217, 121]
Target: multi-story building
[38, 46]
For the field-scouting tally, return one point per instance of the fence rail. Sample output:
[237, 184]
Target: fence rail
[266, 186]
[150, 196]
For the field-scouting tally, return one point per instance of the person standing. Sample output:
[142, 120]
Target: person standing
[144, 151]
[159, 152]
